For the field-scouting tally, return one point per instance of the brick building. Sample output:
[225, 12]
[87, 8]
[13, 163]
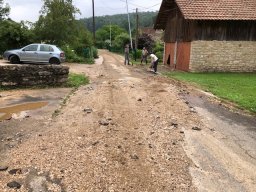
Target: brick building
[209, 35]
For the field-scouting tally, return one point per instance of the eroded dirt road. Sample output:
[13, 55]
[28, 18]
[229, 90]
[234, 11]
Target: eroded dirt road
[129, 130]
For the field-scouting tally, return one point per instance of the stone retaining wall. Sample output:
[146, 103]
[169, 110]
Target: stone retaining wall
[222, 56]
[28, 75]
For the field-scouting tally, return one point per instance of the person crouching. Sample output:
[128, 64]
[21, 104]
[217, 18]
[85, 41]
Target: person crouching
[154, 61]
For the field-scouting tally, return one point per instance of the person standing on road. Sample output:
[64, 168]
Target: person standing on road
[154, 61]
[144, 55]
[126, 55]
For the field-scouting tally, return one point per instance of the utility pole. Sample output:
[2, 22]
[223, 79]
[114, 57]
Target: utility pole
[137, 33]
[129, 25]
[110, 34]
[137, 29]
[93, 22]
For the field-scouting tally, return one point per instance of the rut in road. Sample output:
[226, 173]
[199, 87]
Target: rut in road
[139, 147]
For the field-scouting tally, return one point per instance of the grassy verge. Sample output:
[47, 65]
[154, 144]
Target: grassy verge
[81, 60]
[138, 62]
[76, 80]
[239, 88]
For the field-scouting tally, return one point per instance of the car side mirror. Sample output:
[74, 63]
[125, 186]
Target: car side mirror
[23, 49]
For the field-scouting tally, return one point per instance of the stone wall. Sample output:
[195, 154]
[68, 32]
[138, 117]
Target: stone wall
[28, 75]
[223, 56]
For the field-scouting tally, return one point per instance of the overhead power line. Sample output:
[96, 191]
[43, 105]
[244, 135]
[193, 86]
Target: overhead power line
[133, 4]
[142, 7]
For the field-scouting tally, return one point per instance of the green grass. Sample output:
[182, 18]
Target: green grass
[135, 62]
[76, 80]
[138, 62]
[81, 60]
[239, 88]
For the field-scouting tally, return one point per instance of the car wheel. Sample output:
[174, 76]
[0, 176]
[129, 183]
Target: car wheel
[54, 61]
[14, 59]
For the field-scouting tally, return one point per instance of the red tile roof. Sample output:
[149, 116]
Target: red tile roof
[218, 9]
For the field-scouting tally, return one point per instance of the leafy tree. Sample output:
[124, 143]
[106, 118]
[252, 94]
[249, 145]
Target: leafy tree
[81, 45]
[145, 40]
[103, 34]
[4, 10]
[14, 35]
[57, 23]
[120, 41]
[82, 39]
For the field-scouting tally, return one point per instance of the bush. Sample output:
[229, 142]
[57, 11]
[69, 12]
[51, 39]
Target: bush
[120, 41]
[95, 52]
[88, 55]
[146, 40]
[89, 60]
[159, 54]
[71, 56]
[137, 54]
[159, 47]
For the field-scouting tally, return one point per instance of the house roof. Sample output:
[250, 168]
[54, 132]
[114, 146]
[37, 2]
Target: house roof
[218, 9]
[209, 10]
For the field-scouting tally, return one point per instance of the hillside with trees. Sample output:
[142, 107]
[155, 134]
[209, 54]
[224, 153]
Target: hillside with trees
[146, 19]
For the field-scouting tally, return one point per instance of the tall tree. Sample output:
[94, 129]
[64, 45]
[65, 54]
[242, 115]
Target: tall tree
[56, 23]
[4, 10]
[146, 40]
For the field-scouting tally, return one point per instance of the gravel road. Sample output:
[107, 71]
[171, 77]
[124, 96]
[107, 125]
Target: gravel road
[128, 130]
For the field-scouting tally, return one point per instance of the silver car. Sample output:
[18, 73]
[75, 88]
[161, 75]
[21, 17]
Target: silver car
[38, 53]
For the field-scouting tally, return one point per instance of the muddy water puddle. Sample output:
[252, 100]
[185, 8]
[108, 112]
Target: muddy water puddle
[7, 112]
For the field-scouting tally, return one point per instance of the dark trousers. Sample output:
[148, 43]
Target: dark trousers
[144, 58]
[155, 66]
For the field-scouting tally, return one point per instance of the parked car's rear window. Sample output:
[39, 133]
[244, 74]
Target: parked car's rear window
[59, 48]
[46, 48]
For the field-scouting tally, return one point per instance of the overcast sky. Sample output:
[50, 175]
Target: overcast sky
[28, 10]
